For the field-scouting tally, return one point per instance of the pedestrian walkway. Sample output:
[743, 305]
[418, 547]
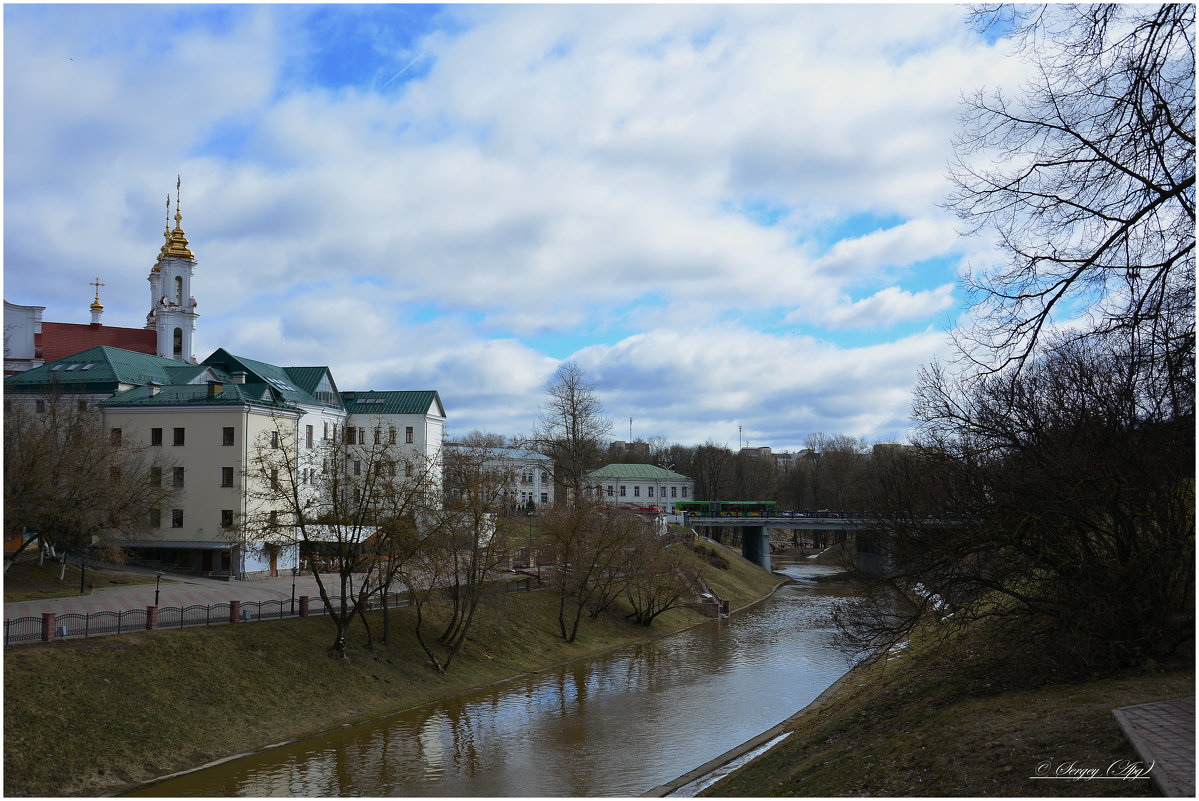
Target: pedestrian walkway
[1163, 735]
[175, 589]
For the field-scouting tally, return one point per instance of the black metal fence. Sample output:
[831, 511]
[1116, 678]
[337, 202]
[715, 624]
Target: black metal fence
[74, 624]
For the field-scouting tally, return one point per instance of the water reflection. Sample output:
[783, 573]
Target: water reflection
[606, 727]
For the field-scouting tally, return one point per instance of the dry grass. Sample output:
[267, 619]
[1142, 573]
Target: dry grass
[28, 581]
[98, 716]
[921, 726]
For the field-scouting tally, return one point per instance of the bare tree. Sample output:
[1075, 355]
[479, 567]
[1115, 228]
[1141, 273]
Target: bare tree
[571, 429]
[1087, 178]
[73, 481]
[659, 583]
[592, 547]
[344, 504]
[467, 546]
[1052, 503]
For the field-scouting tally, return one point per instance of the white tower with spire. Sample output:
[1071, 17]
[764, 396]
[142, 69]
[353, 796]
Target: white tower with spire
[172, 307]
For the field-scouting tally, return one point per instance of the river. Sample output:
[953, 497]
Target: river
[616, 725]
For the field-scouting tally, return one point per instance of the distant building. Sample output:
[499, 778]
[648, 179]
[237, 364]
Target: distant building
[531, 473]
[641, 487]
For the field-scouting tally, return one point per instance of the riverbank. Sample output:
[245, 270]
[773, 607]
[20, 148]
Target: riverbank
[913, 726]
[106, 714]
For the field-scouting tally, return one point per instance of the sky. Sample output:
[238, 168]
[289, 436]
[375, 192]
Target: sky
[727, 215]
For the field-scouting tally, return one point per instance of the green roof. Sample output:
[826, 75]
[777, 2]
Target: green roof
[295, 384]
[103, 369]
[415, 401]
[642, 472]
[197, 395]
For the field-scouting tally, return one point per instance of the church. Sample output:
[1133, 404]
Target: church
[207, 416]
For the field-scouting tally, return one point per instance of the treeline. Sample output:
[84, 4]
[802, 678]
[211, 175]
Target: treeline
[830, 472]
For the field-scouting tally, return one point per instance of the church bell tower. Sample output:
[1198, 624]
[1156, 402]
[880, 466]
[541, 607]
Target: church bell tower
[172, 307]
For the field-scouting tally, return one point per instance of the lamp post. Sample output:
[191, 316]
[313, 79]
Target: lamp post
[295, 571]
[82, 568]
[158, 574]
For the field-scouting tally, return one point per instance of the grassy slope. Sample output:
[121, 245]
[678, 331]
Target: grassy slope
[97, 716]
[914, 727]
[28, 581]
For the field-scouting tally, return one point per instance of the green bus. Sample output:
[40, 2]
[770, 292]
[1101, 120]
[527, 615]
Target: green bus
[727, 508]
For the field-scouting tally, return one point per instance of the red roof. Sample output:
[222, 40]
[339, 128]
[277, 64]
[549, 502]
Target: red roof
[59, 340]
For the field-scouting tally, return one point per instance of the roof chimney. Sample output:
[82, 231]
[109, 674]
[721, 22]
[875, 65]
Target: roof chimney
[239, 377]
[154, 388]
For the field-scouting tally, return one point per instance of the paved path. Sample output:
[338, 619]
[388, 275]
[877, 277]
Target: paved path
[1163, 734]
[176, 590]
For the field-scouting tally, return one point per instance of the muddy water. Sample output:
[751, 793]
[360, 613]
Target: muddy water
[612, 726]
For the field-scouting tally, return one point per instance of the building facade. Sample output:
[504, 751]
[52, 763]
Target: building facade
[640, 487]
[210, 419]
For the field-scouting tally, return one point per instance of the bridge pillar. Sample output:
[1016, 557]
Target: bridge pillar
[755, 545]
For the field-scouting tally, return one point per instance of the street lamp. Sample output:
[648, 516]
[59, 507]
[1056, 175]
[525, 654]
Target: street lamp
[158, 574]
[82, 568]
[295, 571]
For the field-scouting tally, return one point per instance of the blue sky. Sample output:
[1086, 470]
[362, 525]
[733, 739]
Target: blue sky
[728, 215]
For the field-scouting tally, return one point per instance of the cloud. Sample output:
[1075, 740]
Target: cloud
[541, 171]
[889, 306]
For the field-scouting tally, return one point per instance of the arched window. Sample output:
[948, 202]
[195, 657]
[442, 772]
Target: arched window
[179, 289]
[178, 348]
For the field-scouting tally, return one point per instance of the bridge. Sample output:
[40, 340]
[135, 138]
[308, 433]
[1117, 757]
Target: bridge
[755, 531]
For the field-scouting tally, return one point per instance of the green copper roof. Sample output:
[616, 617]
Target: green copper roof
[425, 401]
[198, 395]
[295, 384]
[103, 369]
[642, 472]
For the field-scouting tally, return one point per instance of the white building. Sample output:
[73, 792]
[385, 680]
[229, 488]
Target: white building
[210, 417]
[640, 487]
[529, 473]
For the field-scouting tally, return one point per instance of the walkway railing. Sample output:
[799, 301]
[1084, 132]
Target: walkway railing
[50, 626]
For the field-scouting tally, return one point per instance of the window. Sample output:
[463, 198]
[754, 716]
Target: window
[611, 490]
[684, 492]
[308, 436]
[226, 476]
[274, 439]
[226, 435]
[115, 436]
[408, 434]
[391, 435]
[178, 343]
[408, 470]
[622, 490]
[674, 492]
[545, 477]
[155, 476]
[650, 492]
[177, 479]
[545, 497]
[274, 518]
[378, 436]
[526, 477]
[154, 519]
[325, 430]
[179, 436]
[226, 518]
[41, 406]
[362, 436]
[155, 436]
[274, 478]
[637, 491]
[176, 518]
[357, 467]
[83, 406]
